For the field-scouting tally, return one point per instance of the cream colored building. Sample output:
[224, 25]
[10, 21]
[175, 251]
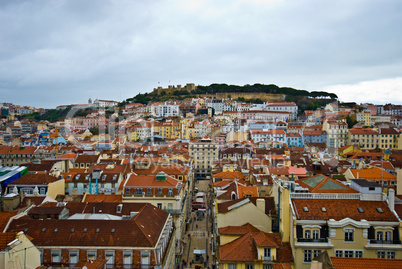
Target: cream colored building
[337, 133]
[205, 152]
[344, 228]
[259, 212]
[19, 252]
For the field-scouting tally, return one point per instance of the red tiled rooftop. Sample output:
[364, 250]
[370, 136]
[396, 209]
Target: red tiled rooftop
[366, 263]
[339, 209]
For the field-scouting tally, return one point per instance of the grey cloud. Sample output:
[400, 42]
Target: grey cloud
[104, 49]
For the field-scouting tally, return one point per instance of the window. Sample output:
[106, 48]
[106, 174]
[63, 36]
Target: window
[315, 234]
[349, 235]
[170, 191]
[109, 256]
[267, 254]
[159, 191]
[379, 236]
[149, 191]
[159, 205]
[348, 253]
[232, 266]
[267, 266]
[381, 254]
[390, 255]
[338, 253]
[127, 258]
[27, 191]
[307, 255]
[316, 252]
[127, 191]
[359, 254]
[73, 257]
[145, 258]
[56, 256]
[91, 255]
[307, 234]
[388, 236]
[249, 266]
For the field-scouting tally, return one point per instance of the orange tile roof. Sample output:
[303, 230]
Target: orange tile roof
[6, 238]
[339, 209]
[324, 184]
[244, 248]
[34, 179]
[17, 150]
[150, 181]
[372, 173]
[229, 175]
[238, 230]
[367, 263]
[4, 218]
[145, 229]
[101, 198]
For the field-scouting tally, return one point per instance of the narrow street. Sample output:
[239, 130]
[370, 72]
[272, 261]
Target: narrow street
[198, 235]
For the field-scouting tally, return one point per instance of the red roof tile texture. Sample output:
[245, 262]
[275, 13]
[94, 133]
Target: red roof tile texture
[342, 208]
[367, 263]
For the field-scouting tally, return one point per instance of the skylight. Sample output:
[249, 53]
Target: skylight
[380, 210]
[323, 209]
[360, 210]
[56, 229]
[305, 209]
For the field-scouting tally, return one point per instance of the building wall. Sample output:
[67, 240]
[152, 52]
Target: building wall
[24, 255]
[55, 188]
[243, 214]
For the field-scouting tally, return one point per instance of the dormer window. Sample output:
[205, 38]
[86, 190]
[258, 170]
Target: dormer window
[104, 177]
[267, 254]
[170, 191]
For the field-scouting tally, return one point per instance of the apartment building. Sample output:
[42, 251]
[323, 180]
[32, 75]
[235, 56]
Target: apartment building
[204, 152]
[337, 133]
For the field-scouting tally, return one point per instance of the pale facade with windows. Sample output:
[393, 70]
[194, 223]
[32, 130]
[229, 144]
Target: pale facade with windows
[343, 228]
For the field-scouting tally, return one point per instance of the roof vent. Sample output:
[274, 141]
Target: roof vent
[97, 230]
[323, 209]
[44, 229]
[361, 210]
[56, 230]
[72, 230]
[305, 209]
[85, 230]
[113, 230]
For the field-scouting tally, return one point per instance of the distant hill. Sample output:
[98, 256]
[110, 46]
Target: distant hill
[256, 93]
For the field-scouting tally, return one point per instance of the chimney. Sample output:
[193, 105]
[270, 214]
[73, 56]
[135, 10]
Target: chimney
[316, 265]
[391, 199]
[261, 204]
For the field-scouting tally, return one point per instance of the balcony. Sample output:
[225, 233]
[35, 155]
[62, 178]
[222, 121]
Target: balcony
[319, 240]
[374, 241]
[384, 244]
[310, 242]
[172, 211]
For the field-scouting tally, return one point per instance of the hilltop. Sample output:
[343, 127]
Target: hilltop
[256, 93]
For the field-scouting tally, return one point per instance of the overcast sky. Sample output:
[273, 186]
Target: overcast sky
[64, 51]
